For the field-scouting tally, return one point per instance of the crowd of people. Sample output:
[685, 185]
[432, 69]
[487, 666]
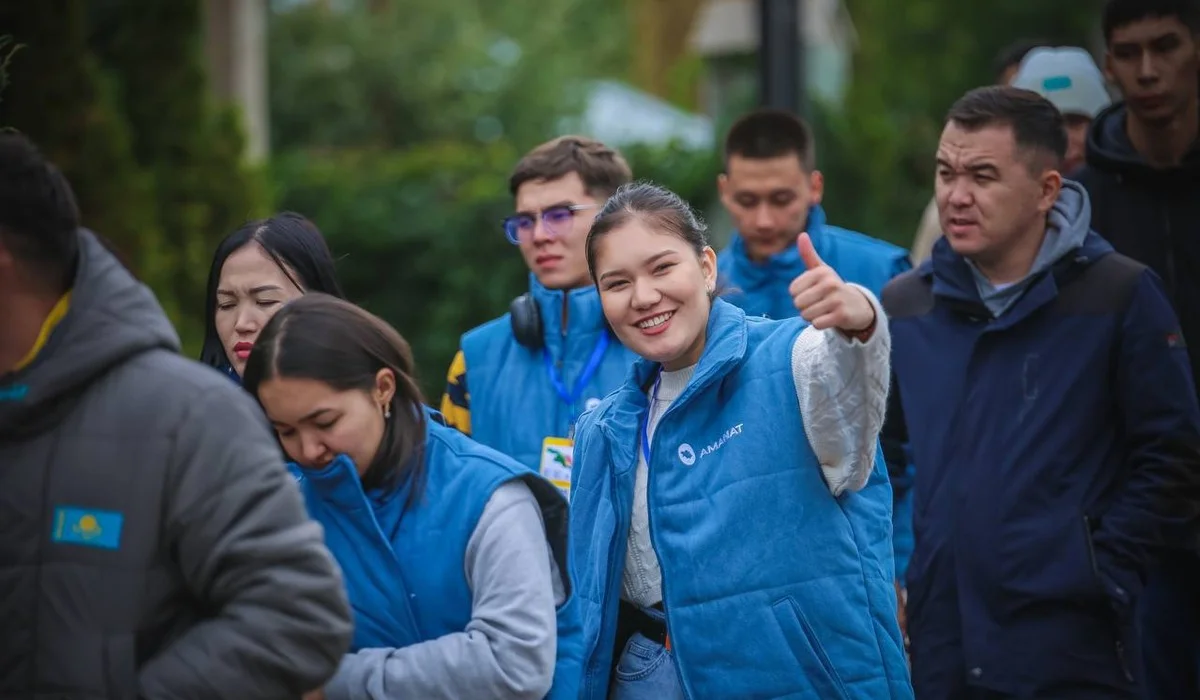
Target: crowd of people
[797, 468]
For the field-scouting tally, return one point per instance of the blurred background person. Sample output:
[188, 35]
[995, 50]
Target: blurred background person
[772, 189]
[1143, 175]
[254, 272]
[1069, 78]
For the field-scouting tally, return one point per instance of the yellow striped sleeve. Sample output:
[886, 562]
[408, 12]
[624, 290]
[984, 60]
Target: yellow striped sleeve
[456, 402]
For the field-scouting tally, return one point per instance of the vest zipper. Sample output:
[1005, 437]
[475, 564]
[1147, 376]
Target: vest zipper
[654, 542]
[562, 327]
[615, 570]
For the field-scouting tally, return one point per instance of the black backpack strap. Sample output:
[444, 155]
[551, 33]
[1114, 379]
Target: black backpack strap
[1104, 287]
[909, 294]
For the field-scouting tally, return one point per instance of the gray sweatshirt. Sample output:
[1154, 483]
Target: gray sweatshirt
[508, 649]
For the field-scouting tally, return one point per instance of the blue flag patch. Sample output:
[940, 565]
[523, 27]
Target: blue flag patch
[87, 527]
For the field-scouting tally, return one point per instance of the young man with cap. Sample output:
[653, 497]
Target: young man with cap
[1069, 79]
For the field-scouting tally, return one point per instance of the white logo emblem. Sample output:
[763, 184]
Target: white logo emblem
[591, 403]
[687, 455]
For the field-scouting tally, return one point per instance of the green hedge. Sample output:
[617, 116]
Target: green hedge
[417, 232]
[114, 93]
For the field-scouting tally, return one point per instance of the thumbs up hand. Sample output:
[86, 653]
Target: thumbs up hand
[824, 300]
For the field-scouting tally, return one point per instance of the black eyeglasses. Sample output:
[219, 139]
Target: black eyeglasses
[555, 220]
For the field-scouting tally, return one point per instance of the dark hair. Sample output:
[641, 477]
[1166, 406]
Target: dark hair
[1036, 123]
[601, 168]
[1119, 13]
[39, 219]
[330, 340]
[297, 247]
[658, 206]
[771, 133]
[1013, 54]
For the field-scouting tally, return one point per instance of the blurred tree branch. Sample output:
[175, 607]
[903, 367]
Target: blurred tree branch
[660, 30]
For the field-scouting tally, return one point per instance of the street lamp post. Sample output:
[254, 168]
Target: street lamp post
[780, 55]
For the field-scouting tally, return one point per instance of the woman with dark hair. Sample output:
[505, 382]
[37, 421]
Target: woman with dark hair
[454, 555]
[730, 507]
[255, 271]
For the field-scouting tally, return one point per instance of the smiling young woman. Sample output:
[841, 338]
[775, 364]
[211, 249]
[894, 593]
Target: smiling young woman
[730, 502]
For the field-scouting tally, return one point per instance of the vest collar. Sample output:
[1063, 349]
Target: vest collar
[724, 349]
[784, 265]
[584, 314]
[338, 483]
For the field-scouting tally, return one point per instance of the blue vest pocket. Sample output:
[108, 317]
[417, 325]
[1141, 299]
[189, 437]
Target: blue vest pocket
[807, 649]
[640, 659]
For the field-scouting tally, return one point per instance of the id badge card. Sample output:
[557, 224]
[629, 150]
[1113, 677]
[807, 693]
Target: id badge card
[556, 463]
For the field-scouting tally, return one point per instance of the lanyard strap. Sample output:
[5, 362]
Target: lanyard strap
[646, 421]
[589, 371]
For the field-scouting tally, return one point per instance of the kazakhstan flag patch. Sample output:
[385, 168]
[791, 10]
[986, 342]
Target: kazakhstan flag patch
[87, 527]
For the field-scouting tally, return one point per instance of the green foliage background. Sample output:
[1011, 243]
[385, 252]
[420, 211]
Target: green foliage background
[114, 92]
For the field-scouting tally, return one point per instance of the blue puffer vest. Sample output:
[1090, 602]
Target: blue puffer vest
[772, 587]
[761, 289]
[404, 566]
[514, 405]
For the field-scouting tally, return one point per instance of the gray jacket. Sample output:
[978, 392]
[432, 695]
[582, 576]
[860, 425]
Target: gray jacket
[152, 544]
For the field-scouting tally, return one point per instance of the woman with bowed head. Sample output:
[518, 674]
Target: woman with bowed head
[730, 511]
[255, 271]
[454, 555]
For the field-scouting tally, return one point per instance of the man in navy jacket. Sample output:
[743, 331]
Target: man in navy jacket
[1043, 383]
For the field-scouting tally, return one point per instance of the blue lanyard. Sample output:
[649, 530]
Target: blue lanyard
[589, 371]
[646, 421]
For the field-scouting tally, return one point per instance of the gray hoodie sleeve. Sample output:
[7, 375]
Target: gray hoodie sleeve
[236, 525]
[508, 649]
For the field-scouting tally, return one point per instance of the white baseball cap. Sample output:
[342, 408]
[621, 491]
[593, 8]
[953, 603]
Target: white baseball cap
[1068, 77]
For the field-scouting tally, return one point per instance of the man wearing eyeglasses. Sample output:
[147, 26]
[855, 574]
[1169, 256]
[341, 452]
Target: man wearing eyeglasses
[519, 382]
